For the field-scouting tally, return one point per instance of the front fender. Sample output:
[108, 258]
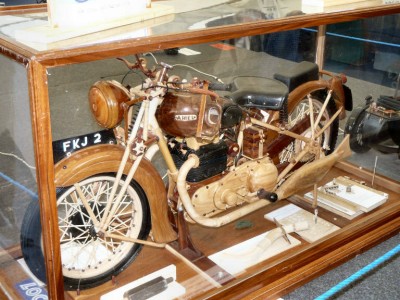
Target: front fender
[105, 159]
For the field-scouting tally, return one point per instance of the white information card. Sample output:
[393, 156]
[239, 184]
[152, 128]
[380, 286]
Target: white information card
[77, 13]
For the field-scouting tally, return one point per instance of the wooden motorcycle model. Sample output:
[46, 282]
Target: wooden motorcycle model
[226, 157]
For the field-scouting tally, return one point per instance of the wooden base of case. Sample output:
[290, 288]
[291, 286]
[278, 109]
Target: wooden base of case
[280, 274]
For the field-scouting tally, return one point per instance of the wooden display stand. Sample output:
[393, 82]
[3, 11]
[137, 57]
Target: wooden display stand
[282, 273]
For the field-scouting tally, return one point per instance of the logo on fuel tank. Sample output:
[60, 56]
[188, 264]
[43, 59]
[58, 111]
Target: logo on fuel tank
[185, 118]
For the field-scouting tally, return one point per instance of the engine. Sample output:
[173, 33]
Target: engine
[239, 186]
[213, 159]
[195, 123]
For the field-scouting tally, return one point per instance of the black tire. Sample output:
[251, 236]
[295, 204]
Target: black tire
[105, 257]
[354, 127]
[300, 109]
[31, 241]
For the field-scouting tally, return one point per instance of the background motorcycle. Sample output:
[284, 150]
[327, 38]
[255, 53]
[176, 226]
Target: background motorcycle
[376, 124]
[231, 154]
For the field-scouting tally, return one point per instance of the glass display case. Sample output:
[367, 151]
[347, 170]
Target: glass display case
[45, 116]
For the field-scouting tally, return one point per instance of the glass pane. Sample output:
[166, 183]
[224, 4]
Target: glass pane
[186, 16]
[18, 187]
[264, 58]
[368, 52]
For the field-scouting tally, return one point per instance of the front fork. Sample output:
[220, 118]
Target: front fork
[135, 147]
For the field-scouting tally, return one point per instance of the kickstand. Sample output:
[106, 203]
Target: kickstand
[185, 244]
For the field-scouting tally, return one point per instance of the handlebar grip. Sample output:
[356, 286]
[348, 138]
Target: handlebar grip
[216, 86]
[165, 65]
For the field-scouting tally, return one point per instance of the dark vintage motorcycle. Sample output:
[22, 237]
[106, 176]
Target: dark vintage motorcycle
[226, 157]
[376, 124]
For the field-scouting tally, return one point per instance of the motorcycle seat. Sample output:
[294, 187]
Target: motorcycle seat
[299, 74]
[260, 92]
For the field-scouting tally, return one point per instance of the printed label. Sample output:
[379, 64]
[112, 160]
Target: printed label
[30, 290]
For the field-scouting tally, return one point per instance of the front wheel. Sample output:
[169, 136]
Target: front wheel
[327, 139]
[89, 259]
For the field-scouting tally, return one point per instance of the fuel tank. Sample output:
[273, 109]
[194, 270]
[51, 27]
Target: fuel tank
[181, 115]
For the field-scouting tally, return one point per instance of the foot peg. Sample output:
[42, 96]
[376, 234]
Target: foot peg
[263, 194]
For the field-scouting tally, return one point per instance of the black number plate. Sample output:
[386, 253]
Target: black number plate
[65, 147]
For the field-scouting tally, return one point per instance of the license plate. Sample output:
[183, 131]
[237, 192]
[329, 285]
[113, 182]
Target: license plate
[66, 147]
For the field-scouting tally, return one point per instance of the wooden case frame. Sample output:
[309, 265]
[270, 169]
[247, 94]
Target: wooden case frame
[314, 260]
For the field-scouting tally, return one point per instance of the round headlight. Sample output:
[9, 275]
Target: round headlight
[105, 99]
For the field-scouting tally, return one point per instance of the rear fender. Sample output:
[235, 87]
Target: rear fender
[333, 84]
[105, 159]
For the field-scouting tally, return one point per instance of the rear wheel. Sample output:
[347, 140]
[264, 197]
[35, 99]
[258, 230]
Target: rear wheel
[89, 259]
[326, 140]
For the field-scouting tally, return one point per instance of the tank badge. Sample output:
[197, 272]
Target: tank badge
[185, 118]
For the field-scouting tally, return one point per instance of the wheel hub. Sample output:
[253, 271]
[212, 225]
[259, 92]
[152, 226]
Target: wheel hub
[81, 224]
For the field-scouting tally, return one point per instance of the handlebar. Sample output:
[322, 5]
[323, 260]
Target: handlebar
[216, 86]
[141, 65]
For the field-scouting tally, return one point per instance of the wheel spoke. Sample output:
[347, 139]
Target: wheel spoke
[323, 108]
[311, 110]
[83, 252]
[89, 258]
[319, 131]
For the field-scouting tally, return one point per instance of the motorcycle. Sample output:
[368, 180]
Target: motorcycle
[226, 157]
[376, 124]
